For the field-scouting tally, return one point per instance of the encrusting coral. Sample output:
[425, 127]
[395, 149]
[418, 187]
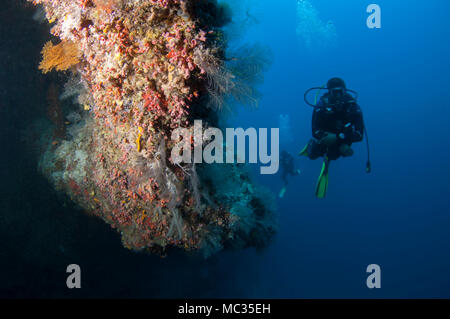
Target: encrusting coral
[146, 68]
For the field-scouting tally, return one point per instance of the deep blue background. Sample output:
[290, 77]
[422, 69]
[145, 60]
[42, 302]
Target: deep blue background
[396, 217]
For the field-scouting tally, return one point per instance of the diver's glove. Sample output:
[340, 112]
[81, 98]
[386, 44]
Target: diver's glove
[328, 139]
[345, 150]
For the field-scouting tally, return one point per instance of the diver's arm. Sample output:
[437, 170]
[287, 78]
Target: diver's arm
[354, 130]
[317, 120]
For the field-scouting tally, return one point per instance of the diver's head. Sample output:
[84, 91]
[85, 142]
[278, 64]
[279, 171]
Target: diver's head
[336, 87]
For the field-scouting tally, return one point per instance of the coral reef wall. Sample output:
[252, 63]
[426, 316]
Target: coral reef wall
[140, 69]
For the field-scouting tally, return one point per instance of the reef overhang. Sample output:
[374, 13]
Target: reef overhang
[139, 70]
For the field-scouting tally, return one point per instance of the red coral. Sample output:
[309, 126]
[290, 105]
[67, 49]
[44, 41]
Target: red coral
[155, 103]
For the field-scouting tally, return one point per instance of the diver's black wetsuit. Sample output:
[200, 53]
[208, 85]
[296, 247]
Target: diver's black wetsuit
[342, 117]
[287, 166]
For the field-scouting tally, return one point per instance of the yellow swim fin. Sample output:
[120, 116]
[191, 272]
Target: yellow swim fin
[282, 192]
[322, 182]
[304, 151]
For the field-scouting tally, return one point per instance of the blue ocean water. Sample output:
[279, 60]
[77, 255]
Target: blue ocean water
[396, 217]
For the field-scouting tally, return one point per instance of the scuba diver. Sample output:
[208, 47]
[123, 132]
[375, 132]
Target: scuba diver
[287, 168]
[337, 122]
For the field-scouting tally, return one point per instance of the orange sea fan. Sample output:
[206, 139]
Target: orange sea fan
[60, 57]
